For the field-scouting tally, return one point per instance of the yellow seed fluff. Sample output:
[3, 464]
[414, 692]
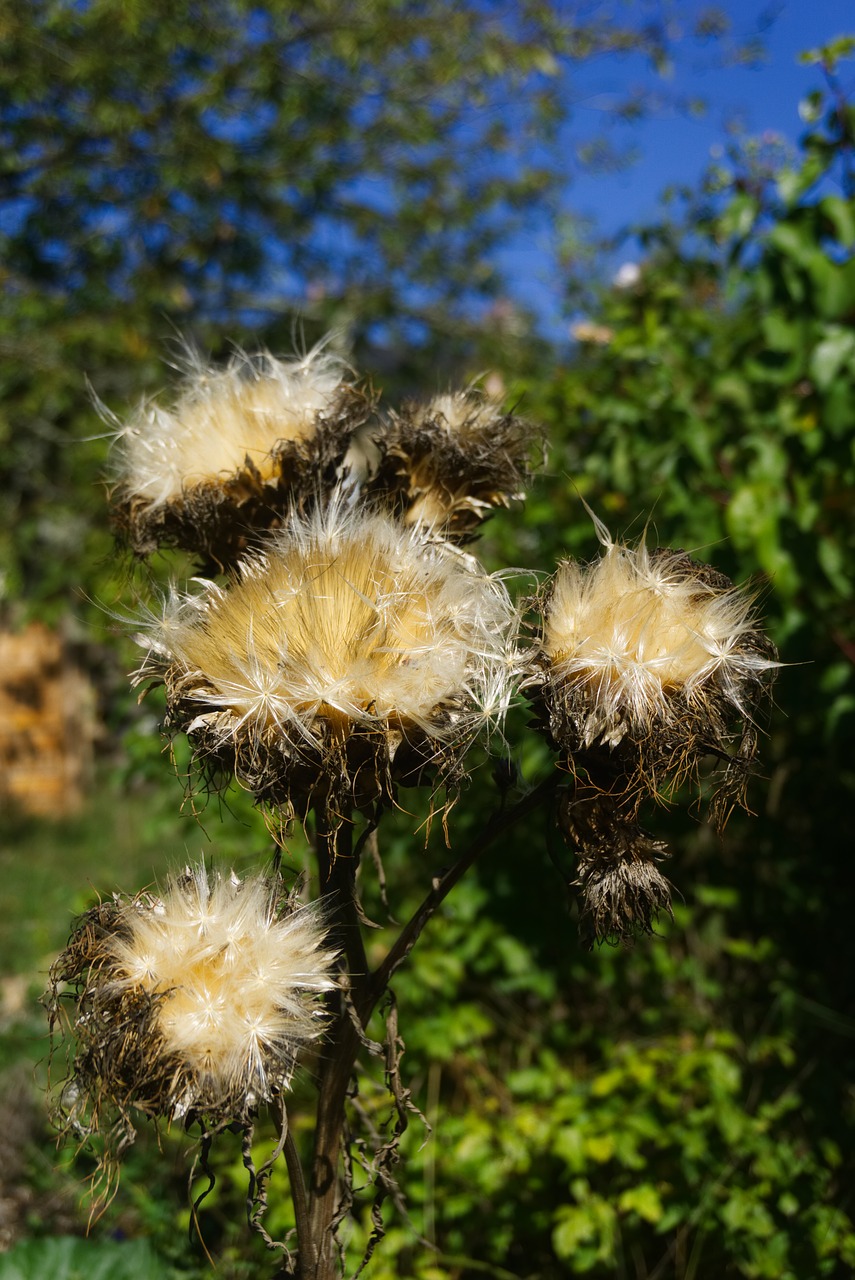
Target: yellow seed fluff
[224, 422]
[635, 630]
[345, 619]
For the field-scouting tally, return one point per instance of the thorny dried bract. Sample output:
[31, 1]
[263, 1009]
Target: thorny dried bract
[190, 1004]
[623, 891]
[350, 655]
[452, 461]
[649, 663]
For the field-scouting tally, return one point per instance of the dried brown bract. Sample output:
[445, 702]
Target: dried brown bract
[452, 461]
[623, 891]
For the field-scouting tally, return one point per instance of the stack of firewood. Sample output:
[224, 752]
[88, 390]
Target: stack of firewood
[47, 723]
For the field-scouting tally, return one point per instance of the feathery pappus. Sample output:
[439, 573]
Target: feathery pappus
[237, 446]
[347, 655]
[655, 657]
[451, 461]
[190, 1003]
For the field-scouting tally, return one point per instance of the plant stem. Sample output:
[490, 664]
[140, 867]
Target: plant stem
[317, 1215]
[500, 822]
[337, 871]
[301, 1205]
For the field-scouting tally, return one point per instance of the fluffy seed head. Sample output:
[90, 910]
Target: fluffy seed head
[350, 643]
[638, 634]
[191, 1003]
[454, 459]
[656, 657]
[237, 446]
[224, 421]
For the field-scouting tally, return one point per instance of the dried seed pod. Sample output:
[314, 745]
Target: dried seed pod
[348, 655]
[193, 1003]
[452, 461]
[238, 447]
[622, 889]
[654, 661]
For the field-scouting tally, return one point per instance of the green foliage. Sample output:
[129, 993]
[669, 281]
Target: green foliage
[721, 406]
[608, 1114]
[69, 1258]
[705, 1135]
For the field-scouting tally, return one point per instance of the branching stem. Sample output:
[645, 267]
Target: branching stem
[500, 822]
[317, 1206]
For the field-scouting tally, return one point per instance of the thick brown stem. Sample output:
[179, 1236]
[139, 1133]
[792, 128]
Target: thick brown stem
[337, 871]
[325, 1185]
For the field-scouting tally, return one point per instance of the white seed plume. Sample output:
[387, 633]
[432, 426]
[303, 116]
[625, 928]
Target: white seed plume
[238, 981]
[224, 422]
[347, 618]
[460, 414]
[638, 636]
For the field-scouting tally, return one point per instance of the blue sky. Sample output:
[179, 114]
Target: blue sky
[674, 148]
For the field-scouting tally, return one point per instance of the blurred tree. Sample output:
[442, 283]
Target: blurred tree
[216, 168]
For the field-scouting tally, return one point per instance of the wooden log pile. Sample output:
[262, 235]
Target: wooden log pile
[47, 723]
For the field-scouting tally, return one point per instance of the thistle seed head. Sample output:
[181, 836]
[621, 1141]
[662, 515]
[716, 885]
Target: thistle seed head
[192, 1003]
[347, 650]
[237, 447]
[452, 461]
[655, 657]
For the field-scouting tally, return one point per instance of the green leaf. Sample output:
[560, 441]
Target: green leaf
[643, 1199]
[73, 1258]
[836, 565]
[831, 355]
[740, 216]
[841, 214]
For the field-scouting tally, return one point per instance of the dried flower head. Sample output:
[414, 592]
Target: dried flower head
[236, 448]
[655, 657]
[350, 652]
[622, 889]
[451, 461]
[192, 1003]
